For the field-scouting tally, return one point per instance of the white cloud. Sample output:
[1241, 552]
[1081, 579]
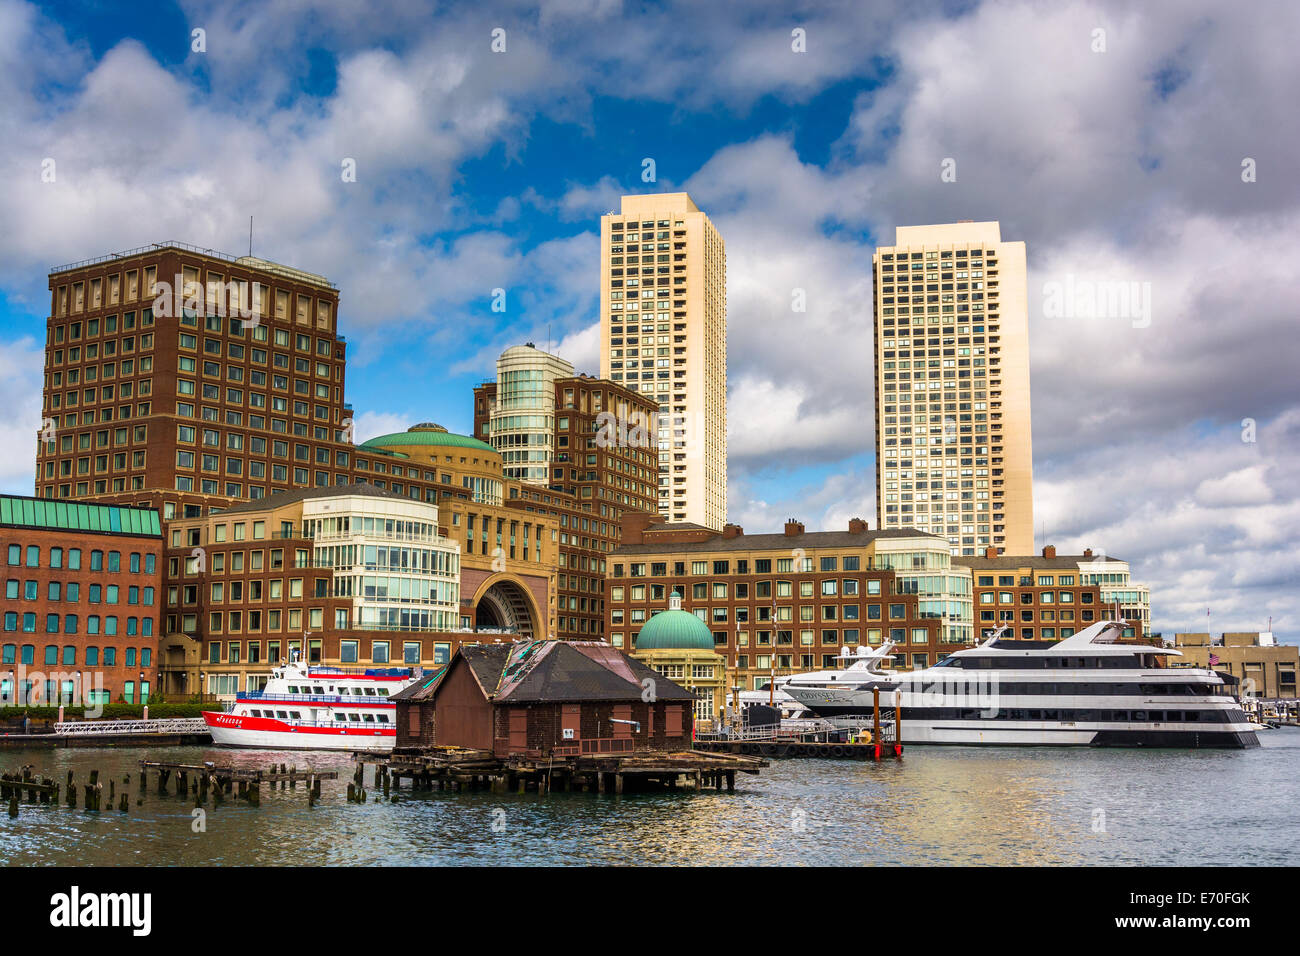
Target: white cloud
[21, 365]
[370, 425]
[1243, 487]
[1117, 165]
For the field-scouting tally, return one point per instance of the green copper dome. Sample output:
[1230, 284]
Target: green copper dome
[674, 629]
[427, 434]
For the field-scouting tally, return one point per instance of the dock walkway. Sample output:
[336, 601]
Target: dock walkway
[457, 768]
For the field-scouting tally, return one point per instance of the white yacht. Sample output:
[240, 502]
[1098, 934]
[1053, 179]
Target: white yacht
[1086, 690]
[857, 666]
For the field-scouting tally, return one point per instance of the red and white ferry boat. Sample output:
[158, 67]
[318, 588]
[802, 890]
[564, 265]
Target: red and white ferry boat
[305, 707]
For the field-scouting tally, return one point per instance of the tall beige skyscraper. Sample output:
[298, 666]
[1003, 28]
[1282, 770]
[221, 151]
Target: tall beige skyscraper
[663, 332]
[953, 443]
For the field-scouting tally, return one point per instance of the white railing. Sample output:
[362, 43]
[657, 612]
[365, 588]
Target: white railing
[796, 728]
[107, 728]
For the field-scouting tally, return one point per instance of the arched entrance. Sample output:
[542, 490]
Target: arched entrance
[506, 604]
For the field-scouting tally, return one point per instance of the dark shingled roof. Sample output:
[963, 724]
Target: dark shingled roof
[553, 671]
[485, 662]
[281, 498]
[774, 542]
[566, 673]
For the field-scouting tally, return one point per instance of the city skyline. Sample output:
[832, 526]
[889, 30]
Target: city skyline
[1123, 394]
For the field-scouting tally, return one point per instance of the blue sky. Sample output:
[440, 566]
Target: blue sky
[480, 169]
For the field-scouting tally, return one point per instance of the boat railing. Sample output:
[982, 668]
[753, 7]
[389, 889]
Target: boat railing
[364, 671]
[260, 695]
[337, 724]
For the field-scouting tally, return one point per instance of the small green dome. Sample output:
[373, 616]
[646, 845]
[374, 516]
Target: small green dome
[426, 434]
[674, 629]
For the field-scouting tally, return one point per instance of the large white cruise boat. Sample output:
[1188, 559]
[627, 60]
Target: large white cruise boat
[1086, 690]
[306, 707]
[858, 666]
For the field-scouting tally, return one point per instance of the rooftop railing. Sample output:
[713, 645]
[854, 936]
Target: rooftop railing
[263, 265]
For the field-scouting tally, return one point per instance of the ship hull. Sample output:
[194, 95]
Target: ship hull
[264, 733]
[1223, 728]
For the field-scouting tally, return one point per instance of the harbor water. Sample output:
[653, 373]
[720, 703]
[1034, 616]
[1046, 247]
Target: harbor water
[939, 805]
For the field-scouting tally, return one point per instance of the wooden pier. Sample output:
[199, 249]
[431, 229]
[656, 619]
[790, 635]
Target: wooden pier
[461, 769]
[780, 749]
[835, 738]
[244, 782]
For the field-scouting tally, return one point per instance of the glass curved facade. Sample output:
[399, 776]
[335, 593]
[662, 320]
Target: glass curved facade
[399, 572]
[522, 424]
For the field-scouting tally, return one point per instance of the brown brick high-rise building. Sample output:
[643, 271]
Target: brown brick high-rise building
[599, 464]
[191, 380]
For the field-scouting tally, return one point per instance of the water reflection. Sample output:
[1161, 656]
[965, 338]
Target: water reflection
[939, 805]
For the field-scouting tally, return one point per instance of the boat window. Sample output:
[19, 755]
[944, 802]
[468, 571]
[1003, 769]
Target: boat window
[370, 692]
[381, 692]
[281, 713]
[319, 690]
[354, 718]
[383, 718]
[369, 718]
[293, 689]
[339, 717]
[297, 715]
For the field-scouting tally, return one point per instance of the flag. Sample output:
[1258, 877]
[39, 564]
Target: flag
[1214, 660]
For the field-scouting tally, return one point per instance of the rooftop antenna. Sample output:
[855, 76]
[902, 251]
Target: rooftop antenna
[250, 237]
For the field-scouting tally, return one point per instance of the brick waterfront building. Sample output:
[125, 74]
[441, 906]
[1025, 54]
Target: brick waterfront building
[1048, 596]
[592, 453]
[794, 600]
[194, 383]
[81, 602]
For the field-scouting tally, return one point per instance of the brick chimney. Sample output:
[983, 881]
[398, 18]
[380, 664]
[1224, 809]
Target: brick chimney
[1087, 552]
[633, 526]
[1049, 550]
[732, 531]
[990, 553]
[793, 528]
[857, 526]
